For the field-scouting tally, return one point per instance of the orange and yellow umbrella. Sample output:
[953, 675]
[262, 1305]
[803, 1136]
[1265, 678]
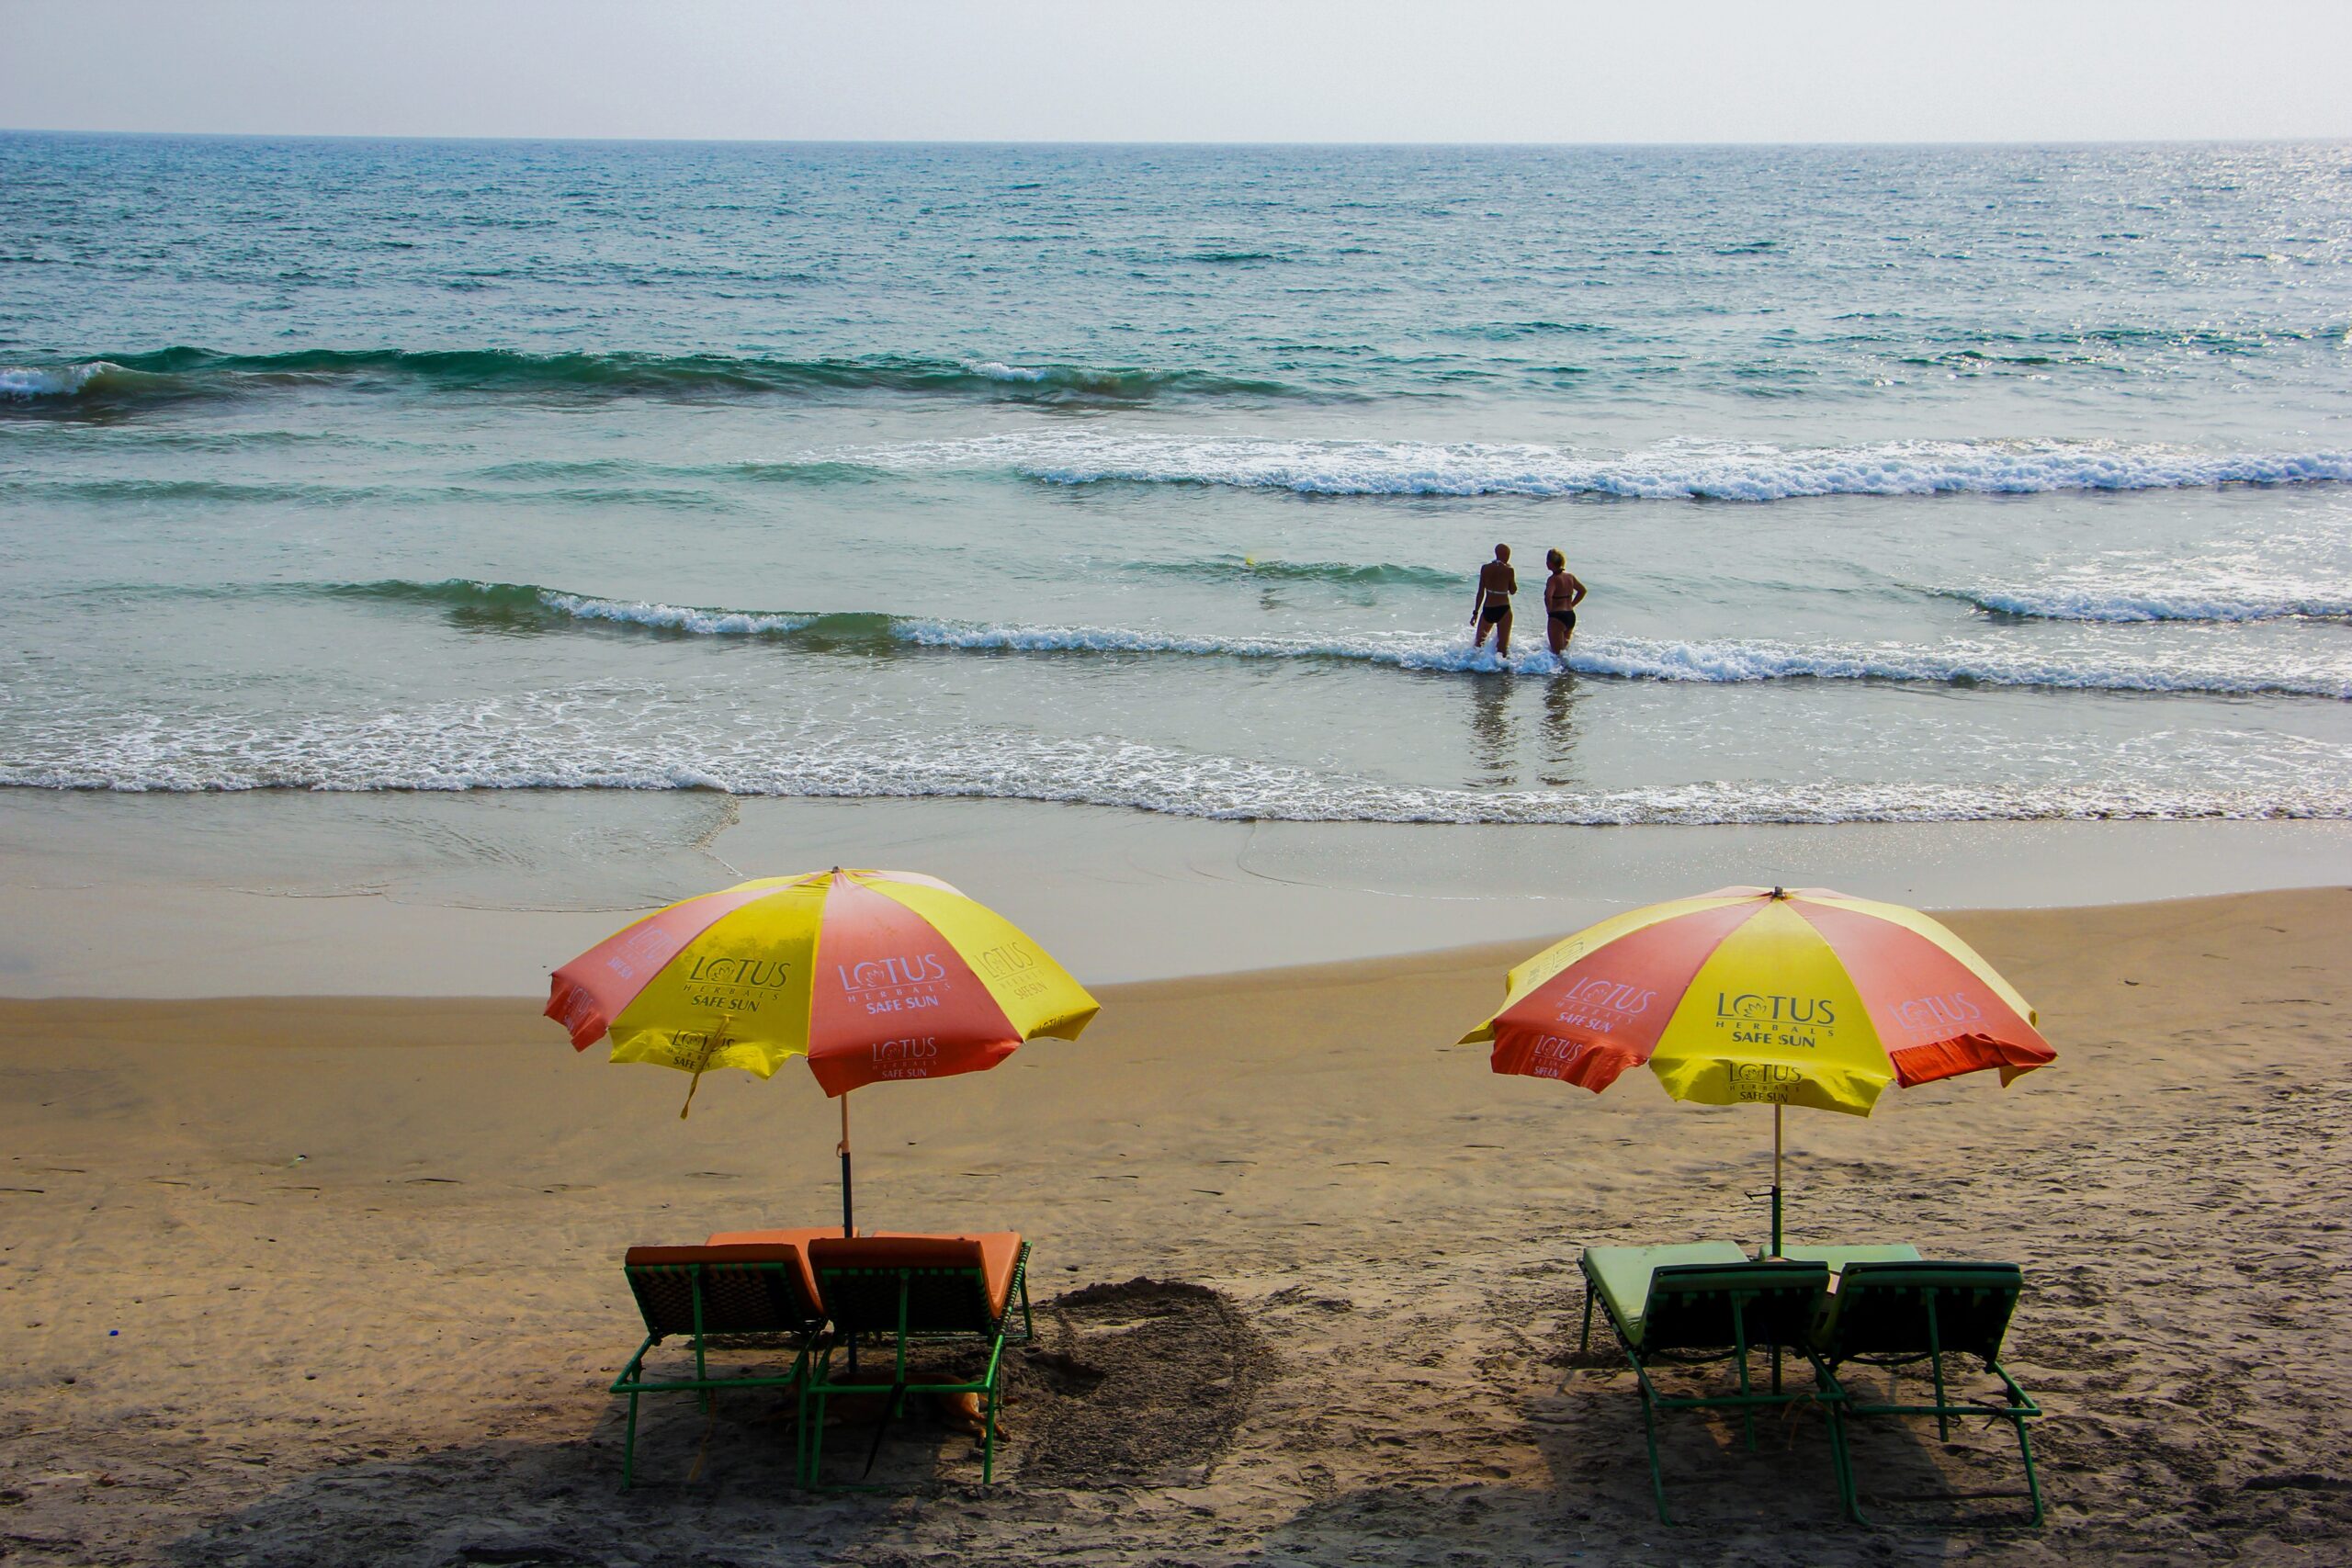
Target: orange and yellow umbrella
[1764, 996]
[872, 976]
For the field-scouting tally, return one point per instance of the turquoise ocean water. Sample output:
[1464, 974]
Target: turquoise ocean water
[1910, 483]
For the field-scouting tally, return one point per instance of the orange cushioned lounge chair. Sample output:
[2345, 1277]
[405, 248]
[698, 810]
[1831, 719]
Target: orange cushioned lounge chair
[912, 1293]
[797, 1239]
[724, 1296]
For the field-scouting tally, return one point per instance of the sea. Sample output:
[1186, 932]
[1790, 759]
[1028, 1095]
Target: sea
[1909, 483]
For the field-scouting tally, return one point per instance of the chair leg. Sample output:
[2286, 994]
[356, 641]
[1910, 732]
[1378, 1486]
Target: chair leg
[1936, 1362]
[816, 1461]
[1853, 1488]
[1842, 1465]
[628, 1447]
[2025, 1450]
[1746, 1411]
[800, 1421]
[1657, 1476]
[988, 1438]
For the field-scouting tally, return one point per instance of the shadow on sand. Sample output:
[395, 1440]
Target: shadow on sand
[1776, 1505]
[1138, 1384]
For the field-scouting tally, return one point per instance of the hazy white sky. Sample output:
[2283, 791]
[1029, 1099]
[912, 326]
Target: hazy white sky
[1187, 70]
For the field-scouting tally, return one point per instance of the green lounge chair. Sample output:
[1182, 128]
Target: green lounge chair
[1699, 1303]
[1894, 1314]
[759, 1297]
[1836, 1258]
[900, 1294]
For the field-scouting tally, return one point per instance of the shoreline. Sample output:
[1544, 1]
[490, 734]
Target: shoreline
[480, 895]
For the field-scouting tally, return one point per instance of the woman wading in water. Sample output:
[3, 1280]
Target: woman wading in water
[1490, 610]
[1563, 591]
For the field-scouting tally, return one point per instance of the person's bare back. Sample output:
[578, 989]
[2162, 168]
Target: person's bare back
[1563, 591]
[1491, 609]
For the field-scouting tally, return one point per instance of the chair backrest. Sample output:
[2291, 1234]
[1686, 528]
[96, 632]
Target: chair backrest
[1898, 1309]
[944, 1280]
[756, 1289]
[1709, 1306]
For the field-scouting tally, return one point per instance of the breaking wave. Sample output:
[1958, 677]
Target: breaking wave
[2106, 606]
[1677, 471]
[174, 375]
[535, 740]
[526, 607]
[1974, 663]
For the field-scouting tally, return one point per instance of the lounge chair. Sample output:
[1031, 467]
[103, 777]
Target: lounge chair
[1836, 1258]
[1699, 1303]
[756, 1296]
[896, 1294]
[1894, 1314]
[797, 1239]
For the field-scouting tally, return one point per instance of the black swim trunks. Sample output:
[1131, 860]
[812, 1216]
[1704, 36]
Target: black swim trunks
[1492, 613]
[1567, 619]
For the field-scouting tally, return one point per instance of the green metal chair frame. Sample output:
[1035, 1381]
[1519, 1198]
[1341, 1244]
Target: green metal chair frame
[912, 1306]
[755, 1301]
[1702, 1313]
[1897, 1315]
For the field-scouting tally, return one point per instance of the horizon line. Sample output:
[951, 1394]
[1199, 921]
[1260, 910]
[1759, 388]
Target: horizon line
[2321, 137]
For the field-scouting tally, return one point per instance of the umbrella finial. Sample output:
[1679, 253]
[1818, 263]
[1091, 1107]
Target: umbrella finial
[1779, 892]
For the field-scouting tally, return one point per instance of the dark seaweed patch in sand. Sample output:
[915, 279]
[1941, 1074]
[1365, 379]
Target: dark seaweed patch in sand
[1137, 1384]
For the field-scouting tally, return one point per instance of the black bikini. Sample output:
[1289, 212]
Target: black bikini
[1567, 619]
[1491, 613]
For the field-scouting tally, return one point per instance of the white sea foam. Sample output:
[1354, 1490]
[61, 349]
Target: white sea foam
[1680, 470]
[604, 739]
[996, 370]
[2202, 667]
[1973, 662]
[674, 617]
[25, 383]
[2095, 602]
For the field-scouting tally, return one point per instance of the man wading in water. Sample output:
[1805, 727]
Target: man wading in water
[1491, 609]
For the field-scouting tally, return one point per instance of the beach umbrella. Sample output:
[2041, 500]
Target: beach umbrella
[1764, 996]
[872, 976]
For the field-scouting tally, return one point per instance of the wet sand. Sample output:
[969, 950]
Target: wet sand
[321, 1281]
[302, 893]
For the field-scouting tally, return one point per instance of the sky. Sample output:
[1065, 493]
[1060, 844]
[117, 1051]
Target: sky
[1639, 70]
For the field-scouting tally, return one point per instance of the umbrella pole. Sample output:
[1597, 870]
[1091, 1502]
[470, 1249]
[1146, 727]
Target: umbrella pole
[1774, 1179]
[848, 1216]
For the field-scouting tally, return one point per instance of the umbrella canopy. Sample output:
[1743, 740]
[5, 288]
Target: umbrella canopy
[871, 974]
[1764, 996]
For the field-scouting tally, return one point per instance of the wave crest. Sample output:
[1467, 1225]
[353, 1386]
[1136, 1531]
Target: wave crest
[533, 740]
[1727, 661]
[2125, 606]
[1679, 471]
[179, 374]
[526, 607]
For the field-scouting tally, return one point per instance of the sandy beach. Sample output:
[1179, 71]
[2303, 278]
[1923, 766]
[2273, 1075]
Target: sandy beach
[1263, 517]
[324, 1281]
